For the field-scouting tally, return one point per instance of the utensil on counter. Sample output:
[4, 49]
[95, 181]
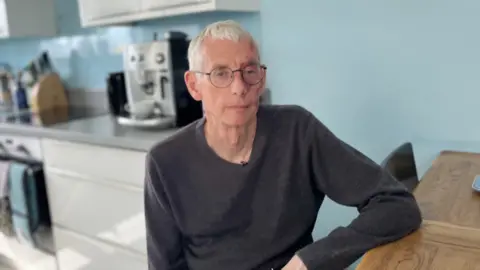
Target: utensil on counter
[21, 98]
[46, 90]
[6, 99]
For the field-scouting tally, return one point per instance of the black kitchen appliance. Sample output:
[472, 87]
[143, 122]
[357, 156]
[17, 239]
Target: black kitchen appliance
[117, 93]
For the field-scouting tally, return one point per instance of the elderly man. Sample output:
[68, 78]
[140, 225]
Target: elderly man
[240, 189]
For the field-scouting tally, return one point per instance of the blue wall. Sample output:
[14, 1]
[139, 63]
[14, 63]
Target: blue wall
[378, 73]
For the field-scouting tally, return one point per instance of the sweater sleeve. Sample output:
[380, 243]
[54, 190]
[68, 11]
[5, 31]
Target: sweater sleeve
[164, 246]
[387, 211]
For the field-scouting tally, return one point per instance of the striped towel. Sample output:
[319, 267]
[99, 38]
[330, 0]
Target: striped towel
[4, 168]
[6, 223]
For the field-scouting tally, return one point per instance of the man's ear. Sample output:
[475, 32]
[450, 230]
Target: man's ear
[191, 81]
[263, 83]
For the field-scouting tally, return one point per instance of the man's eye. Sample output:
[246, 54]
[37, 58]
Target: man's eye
[221, 73]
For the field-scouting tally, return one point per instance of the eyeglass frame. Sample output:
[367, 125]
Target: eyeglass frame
[264, 67]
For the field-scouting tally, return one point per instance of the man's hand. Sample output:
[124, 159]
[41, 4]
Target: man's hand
[295, 264]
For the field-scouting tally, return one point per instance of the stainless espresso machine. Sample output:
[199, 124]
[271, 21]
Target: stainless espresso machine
[154, 81]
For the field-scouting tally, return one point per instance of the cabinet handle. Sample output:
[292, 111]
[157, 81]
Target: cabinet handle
[23, 149]
[125, 13]
[168, 6]
[3, 148]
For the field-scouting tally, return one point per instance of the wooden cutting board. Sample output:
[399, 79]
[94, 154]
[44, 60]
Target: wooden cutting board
[48, 94]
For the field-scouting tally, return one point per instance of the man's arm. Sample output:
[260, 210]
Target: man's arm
[164, 245]
[387, 211]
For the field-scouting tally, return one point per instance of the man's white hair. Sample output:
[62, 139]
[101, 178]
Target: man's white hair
[229, 30]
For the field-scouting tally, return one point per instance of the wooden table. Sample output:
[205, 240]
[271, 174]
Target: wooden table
[449, 238]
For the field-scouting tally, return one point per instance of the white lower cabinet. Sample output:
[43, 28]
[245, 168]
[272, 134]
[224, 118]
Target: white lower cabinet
[105, 211]
[96, 204]
[78, 252]
[95, 162]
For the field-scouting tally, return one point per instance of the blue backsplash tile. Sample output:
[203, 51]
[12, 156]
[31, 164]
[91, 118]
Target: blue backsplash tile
[84, 56]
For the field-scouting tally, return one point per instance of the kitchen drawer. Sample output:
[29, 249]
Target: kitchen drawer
[96, 162]
[75, 251]
[105, 211]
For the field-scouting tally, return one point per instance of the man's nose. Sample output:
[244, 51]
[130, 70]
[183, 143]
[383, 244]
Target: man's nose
[238, 86]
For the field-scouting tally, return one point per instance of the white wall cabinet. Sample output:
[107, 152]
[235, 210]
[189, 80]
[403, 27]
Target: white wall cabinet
[91, 10]
[97, 13]
[3, 19]
[26, 18]
[161, 4]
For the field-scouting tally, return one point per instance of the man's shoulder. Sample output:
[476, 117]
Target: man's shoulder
[179, 142]
[292, 120]
[290, 110]
[287, 114]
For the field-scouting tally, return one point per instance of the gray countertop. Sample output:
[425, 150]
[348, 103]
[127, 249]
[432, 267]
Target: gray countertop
[100, 130]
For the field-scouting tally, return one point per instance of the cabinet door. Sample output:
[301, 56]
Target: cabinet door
[3, 19]
[75, 251]
[160, 4]
[104, 211]
[95, 162]
[94, 9]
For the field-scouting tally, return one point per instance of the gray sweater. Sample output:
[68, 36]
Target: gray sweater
[204, 213]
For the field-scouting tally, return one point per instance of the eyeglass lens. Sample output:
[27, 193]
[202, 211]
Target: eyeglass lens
[223, 77]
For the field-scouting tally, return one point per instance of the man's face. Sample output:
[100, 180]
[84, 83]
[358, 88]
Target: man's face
[237, 103]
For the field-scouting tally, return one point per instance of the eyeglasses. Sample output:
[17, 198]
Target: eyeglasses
[223, 76]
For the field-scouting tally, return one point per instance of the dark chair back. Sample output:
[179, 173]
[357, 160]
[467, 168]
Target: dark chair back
[401, 164]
